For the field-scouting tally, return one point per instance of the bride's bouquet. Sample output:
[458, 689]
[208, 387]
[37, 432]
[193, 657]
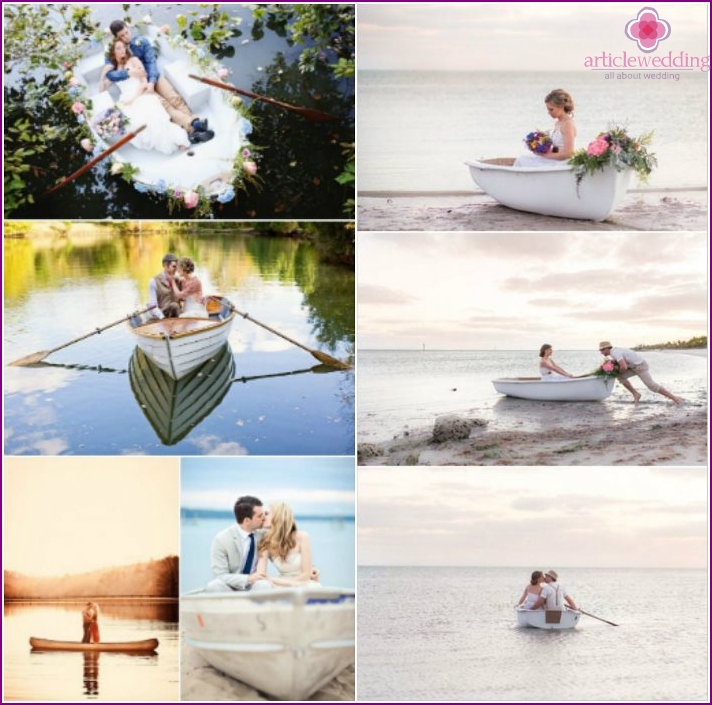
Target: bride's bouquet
[539, 142]
[608, 368]
[111, 124]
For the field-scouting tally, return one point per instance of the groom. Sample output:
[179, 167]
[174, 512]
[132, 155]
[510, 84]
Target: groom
[173, 104]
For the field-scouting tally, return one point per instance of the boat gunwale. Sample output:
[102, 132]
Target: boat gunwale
[214, 325]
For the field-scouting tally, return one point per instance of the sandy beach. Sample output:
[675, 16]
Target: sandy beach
[576, 434]
[200, 681]
[642, 209]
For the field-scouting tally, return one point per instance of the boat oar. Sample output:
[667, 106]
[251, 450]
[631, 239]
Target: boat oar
[34, 358]
[322, 357]
[96, 160]
[600, 619]
[309, 113]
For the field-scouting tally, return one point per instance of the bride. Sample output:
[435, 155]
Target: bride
[549, 370]
[288, 548]
[191, 290]
[142, 107]
[532, 592]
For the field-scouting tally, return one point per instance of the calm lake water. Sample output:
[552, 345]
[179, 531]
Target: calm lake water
[74, 677]
[332, 541]
[463, 643]
[417, 128]
[300, 159]
[406, 388]
[81, 399]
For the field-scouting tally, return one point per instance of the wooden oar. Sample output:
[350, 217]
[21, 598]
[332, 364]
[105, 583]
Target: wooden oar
[316, 115]
[588, 614]
[322, 357]
[34, 358]
[96, 160]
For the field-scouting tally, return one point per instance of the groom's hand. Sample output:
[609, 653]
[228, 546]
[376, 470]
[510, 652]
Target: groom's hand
[150, 88]
[315, 575]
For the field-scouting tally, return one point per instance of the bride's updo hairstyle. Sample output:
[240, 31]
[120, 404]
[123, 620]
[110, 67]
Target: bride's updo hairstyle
[561, 99]
[537, 575]
[281, 537]
[543, 349]
[186, 265]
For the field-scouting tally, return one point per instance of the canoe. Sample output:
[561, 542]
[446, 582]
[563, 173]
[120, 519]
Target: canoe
[180, 345]
[209, 166]
[551, 190]
[582, 389]
[547, 619]
[144, 646]
[175, 407]
[286, 642]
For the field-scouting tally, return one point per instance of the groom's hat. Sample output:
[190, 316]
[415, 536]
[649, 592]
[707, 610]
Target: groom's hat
[603, 345]
[552, 574]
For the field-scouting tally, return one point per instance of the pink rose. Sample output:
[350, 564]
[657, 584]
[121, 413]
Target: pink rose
[73, 81]
[164, 29]
[78, 108]
[607, 366]
[597, 147]
[250, 167]
[191, 199]
[86, 144]
[222, 73]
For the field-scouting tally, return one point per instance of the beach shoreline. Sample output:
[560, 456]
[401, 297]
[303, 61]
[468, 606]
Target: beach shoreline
[577, 433]
[666, 209]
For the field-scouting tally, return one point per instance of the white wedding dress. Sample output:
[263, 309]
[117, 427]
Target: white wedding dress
[194, 309]
[160, 134]
[548, 375]
[291, 567]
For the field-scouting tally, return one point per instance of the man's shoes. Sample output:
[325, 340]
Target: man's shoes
[203, 136]
[200, 125]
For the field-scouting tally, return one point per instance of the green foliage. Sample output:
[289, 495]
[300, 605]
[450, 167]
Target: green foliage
[699, 341]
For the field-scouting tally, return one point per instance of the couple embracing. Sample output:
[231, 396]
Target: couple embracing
[545, 592]
[240, 554]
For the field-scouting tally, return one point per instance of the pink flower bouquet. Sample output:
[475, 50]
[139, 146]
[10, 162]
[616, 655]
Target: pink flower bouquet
[608, 368]
[111, 124]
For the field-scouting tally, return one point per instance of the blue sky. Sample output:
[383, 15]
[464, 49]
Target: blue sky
[311, 485]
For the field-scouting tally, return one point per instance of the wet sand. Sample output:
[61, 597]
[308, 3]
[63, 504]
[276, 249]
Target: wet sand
[576, 434]
[642, 209]
[200, 681]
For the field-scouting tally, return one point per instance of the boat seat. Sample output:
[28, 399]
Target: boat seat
[194, 93]
[553, 616]
[101, 101]
[91, 68]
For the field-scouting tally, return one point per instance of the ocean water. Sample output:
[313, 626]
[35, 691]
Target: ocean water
[440, 634]
[417, 128]
[408, 389]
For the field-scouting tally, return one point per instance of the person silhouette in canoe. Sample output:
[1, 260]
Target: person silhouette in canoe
[174, 105]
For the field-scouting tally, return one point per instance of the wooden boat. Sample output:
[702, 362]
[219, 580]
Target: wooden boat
[144, 646]
[175, 407]
[209, 165]
[547, 619]
[580, 389]
[286, 642]
[551, 190]
[180, 345]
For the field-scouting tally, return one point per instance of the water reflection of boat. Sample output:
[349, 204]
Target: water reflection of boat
[180, 345]
[175, 407]
[143, 646]
[285, 642]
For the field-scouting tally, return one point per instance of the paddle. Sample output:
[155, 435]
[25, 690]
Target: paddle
[322, 357]
[588, 614]
[94, 161]
[308, 113]
[34, 358]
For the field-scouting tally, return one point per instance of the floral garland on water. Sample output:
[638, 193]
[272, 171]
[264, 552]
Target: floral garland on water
[244, 169]
[616, 149]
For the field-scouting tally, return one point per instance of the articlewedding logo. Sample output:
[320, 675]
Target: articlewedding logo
[647, 29]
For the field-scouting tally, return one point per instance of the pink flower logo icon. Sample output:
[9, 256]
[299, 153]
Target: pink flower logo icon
[647, 29]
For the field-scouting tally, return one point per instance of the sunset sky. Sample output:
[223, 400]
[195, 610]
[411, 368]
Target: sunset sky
[66, 515]
[461, 291]
[587, 517]
[513, 36]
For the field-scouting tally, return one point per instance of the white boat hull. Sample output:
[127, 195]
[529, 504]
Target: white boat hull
[287, 643]
[551, 190]
[208, 165]
[533, 388]
[548, 619]
[179, 345]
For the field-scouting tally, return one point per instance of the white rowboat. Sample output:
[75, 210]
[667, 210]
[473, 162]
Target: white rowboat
[287, 643]
[179, 345]
[551, 190]
[581, 389]
[144, 646]
[547, 619]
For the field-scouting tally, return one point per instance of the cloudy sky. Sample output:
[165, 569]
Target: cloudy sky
[462, 291]
[610, 517]
[71, 515]
[312, 486]
[513, 36]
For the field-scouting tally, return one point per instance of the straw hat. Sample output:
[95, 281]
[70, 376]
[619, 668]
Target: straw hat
[552, 574]
[604, 344]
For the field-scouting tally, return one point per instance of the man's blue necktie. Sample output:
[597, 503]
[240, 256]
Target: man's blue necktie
[250, 556]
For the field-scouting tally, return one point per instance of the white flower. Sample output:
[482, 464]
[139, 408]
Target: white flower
[147, 19]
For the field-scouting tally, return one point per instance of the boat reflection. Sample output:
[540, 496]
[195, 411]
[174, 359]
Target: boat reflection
[91, 673]
[175, 407]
